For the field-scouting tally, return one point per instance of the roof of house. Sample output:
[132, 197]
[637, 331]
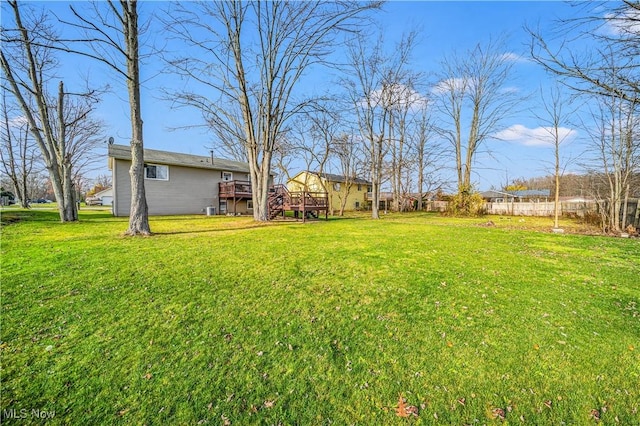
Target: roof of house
[517, 194]
[495, 194]
[108, 192]
[532, 193]
[341, 178]
[123, 152]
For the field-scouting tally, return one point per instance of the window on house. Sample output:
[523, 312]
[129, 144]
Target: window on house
[357, 204]
[336, 186]
[369, 189]
[249, 204]
[223, 206]
[359, 187]
[227, 176]
[156, 172]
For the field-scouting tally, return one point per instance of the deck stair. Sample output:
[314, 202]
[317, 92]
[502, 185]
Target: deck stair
[303, 204]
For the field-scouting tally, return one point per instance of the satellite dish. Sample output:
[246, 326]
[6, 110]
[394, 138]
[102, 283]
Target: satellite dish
[110, 140]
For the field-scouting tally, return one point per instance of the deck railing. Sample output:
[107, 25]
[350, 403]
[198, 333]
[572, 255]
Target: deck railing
[234, 188]
[309, 200]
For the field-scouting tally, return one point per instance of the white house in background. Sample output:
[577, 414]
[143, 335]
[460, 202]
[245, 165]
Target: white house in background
[105, 196]
[177, 183]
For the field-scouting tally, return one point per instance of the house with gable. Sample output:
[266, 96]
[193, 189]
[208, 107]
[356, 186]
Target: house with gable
[348, 191]
[178, 183]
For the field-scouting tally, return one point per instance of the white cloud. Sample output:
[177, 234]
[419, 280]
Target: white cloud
[625, 23]
[444, 86]
[17, 122]
[540, 136]
[514, 57]
[399, 94]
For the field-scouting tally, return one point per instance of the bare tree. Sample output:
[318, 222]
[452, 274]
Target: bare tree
[346, 150]
[428, 155]
[615, 156]
[372, 82]
[318, 130]
[613, 27]
[27, 64]
[406, 103]
[472, 96]
[250, 79]
[553, 117]
[17, 153]
[111, 35]
[609, 72]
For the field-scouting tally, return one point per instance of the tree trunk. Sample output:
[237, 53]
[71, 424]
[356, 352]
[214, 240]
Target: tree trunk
[624, 208]
[139, 213]
[556, 206]
[376, 175]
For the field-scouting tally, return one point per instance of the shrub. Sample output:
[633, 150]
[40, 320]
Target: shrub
[467, 202]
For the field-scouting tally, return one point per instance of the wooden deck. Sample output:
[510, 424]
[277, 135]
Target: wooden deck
[303, 204]
[239, 189]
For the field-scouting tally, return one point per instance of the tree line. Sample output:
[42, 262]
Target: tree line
[385, 121]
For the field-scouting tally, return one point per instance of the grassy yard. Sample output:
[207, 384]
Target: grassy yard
[225, 321]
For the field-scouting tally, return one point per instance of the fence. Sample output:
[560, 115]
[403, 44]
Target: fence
[435, 206]
[545, 208]
[540, 208]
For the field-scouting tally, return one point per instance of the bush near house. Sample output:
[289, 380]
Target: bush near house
[224, 320]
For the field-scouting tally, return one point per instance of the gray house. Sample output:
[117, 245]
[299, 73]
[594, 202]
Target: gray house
[177, 183]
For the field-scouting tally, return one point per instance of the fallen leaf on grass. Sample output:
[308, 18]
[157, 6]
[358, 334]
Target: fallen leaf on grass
[404, 410]
[401, 410]
[148, 376]
[595, 414]
[547, 404]
[498, 413]
[269, 403]
[412, 410]
[536, 347]
[123, 412]
[450, 344]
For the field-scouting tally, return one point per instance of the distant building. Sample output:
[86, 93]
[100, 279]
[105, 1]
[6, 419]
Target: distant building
[351, 191]
[177, 183]
[105, 196]
[517, 196]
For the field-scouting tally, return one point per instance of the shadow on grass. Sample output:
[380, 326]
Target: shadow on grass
[11, 216]
[252, 225]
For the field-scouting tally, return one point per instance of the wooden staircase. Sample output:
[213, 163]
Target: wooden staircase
[304, 204]
[279, 200]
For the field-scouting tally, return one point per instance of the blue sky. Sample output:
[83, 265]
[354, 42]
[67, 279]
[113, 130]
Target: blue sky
[444, 27]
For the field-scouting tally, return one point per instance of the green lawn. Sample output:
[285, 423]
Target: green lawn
[222, 320]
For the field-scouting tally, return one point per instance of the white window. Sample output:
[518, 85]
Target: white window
[336, 186]
[156, 172]
[249, 204]
[227, 176]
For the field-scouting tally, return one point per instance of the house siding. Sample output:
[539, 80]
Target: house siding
[314, 183]
[188, 190]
